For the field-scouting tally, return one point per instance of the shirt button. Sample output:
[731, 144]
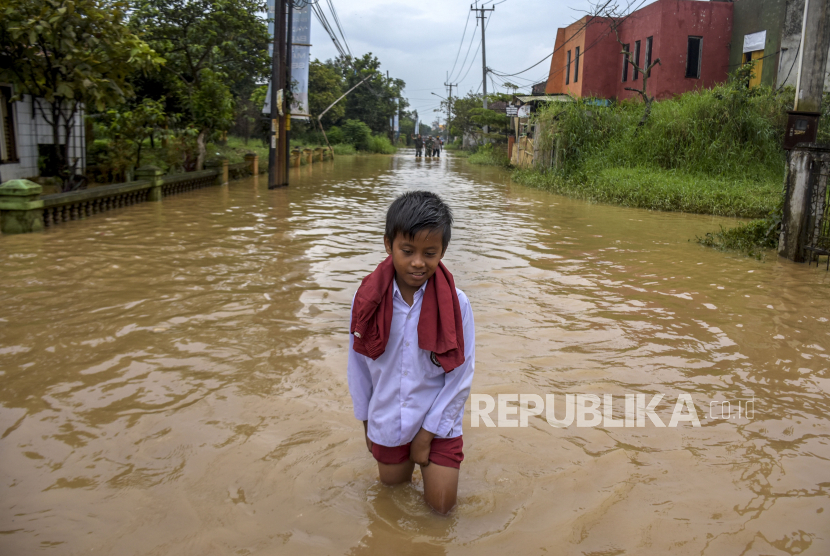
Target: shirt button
[403, 404]
[407, 344]
[407, 317]
[405, 373]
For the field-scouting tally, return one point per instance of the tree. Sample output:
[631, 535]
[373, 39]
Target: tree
[325, 85]
[373, 102]
[74, 54]
[205, 42]
[131, 126]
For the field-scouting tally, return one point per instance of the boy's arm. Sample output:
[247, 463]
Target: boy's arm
[360, 382]
[450, 401]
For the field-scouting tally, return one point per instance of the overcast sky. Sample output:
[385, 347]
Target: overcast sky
[417, 41]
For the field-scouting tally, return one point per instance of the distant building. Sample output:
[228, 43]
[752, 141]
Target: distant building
[769, 32]
[26, 144]
[691, 38]
[539, 88]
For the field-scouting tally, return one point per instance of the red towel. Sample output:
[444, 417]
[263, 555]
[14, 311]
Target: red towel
[440, 329]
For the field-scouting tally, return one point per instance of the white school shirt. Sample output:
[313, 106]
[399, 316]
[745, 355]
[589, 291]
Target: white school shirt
[402, 390]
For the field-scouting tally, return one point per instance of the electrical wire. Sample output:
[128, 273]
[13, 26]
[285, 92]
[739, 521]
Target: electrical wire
[461, 44]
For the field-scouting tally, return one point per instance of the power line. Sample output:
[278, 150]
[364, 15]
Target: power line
[461, 44]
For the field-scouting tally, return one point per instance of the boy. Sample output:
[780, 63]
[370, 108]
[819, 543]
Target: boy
[412, 352]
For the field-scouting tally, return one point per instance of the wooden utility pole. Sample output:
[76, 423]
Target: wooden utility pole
[289, 61]
[480, 14]
[276, 153]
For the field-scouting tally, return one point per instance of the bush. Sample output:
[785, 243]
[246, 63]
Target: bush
[335, 135]
[490, 155]
[356, 133]
[343, 149]
[753, 238]
[380, 144]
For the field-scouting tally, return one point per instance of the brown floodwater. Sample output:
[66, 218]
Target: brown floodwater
[173, 378]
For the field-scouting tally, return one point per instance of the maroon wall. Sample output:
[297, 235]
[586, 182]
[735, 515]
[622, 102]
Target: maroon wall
[671, 22]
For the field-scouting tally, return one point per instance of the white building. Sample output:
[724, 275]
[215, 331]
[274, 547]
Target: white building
[25, 137]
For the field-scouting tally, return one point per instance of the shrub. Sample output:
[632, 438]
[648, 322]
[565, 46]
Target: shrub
[356, 133]
[343, 149]
[380, 144]
[490, 155]
[335, 135]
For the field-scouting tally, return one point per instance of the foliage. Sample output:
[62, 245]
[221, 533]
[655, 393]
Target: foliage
[754, 238]
[380, 144]
[491, 155]
[130, 127]
[356, 133]
[73, 54]
[727, 131]
[658, 189]
[324, 87]
[344, 149]
[216, 52]
[374, 101]
[336, 135]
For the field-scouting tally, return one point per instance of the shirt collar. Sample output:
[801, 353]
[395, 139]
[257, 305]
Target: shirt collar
[397, 290]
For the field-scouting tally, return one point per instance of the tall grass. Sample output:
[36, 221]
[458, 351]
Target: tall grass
[380, 144]
[490, 155]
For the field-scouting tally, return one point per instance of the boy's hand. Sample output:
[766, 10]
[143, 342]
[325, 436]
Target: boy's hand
[419, 449]
[369, 443]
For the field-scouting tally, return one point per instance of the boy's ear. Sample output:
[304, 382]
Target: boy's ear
[388, 245]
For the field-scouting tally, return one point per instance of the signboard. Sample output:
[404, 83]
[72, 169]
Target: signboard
[524, 111]
[300, 55]
[755, 41]
[512, 110]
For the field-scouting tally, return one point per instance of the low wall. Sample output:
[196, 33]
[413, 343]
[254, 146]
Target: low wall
[23, 209]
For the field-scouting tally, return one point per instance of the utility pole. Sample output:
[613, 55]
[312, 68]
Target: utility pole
[449, 107]
[276, 152]
[480, 14]
[289, 61]
[815, 41]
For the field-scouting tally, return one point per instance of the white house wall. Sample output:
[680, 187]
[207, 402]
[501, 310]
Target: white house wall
[31, 131]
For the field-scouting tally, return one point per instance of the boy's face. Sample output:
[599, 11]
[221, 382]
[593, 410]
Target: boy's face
[415, 259]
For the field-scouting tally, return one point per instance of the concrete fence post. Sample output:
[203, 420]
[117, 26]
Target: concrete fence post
[21, 210]
[152, 174]
[220, 164]
[804, 165]
[253, 161]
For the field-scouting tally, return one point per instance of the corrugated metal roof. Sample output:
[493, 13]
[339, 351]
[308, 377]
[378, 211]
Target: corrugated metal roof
[545, 98]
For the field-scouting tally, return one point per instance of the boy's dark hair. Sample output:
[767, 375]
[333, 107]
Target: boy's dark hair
[415, 211]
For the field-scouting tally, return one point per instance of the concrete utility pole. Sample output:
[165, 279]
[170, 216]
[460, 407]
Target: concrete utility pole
[449, 107]
[289, 62]
[480, 14]
[276, 152]
[804, 203]
[815, 42]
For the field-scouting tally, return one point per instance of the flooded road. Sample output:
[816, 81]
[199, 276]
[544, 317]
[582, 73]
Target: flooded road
[173, 378]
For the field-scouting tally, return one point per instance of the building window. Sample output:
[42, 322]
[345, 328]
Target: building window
[568, 69]
[649, 44]
[625, 63]
[576, 65]
[693, 57]
[8, 145]
[636, 59]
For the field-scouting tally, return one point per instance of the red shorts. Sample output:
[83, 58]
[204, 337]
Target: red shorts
[445, 452]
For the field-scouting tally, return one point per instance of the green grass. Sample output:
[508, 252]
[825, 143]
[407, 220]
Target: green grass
[657, 189]
[380, 144]
[755, 238]
[489, 155]
[344, 149]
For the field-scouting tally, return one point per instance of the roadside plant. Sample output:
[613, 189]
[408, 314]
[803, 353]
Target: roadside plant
[71, 55]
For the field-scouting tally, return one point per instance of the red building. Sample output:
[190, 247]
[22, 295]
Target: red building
[691, 39]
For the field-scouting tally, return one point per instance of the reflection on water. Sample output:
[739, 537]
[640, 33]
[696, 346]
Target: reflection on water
[173, 378]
